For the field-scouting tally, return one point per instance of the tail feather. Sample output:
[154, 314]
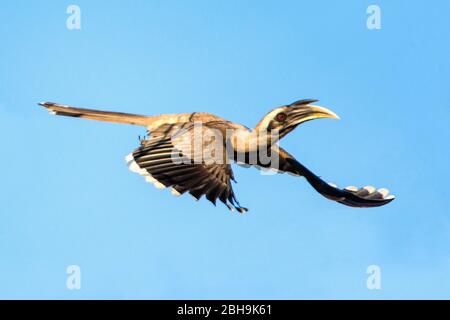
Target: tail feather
[108, 116]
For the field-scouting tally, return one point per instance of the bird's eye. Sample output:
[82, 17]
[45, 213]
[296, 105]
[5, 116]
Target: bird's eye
[281, 117]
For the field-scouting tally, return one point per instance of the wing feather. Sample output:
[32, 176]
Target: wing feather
[154, 160]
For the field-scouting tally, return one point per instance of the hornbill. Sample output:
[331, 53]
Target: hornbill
[167, 156]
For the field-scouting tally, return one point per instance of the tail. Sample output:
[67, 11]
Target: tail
[108, 116]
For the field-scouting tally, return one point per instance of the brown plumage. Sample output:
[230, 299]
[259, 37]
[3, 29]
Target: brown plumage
[192, 152]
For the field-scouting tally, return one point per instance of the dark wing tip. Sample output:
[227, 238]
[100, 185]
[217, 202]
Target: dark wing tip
[351, 196]
[366, 197]
[241, 209]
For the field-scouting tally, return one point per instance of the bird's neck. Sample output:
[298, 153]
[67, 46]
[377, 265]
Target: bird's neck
[253, 140]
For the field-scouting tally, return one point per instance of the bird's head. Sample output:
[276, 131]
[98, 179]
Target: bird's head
[282, 120]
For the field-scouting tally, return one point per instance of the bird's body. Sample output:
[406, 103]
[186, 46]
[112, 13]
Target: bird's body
[193, 152]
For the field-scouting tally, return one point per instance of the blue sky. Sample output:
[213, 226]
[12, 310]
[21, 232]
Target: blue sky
[67, 197]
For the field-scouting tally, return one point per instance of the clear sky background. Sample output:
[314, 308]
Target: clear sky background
[67, 197]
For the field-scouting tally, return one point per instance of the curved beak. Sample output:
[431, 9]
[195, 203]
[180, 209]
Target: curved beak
[305, 113]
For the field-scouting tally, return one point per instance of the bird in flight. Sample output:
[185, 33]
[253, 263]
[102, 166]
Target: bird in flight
[192, 152]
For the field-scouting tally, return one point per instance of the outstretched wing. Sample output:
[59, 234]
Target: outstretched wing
[171, 162]
[350, 196]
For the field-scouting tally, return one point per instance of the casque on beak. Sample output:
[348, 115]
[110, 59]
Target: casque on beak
[305, 113]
